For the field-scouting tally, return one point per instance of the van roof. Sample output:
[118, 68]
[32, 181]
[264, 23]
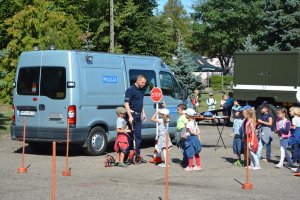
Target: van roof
[94, 52]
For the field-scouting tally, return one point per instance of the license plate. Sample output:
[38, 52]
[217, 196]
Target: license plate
[27, 113]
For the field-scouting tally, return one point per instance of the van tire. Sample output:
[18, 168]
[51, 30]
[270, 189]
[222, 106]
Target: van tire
[96, 142]
[39, 147]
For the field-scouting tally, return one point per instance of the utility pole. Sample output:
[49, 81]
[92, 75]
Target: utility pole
[112, 32]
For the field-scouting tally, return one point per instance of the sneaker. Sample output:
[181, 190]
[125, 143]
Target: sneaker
[265, 160]
[197, 168]
[188, 169]
[290, 164]
[250, 167]
[279, 165]
[122, 165]
[238, 163]
[116, 163]
[143, 160]
[256, 168]
[162, 165]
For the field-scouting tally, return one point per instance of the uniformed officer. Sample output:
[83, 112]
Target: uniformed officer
[134, 98]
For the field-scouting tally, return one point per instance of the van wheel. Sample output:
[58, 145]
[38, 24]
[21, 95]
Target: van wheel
[39, 147]
[96, 142]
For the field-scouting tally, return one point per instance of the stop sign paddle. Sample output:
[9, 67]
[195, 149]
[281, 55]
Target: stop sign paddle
[156, 94]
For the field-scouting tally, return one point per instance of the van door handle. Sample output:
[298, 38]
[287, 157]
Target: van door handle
[41, 107]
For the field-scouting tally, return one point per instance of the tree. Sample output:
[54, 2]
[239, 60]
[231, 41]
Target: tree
[184, 66]
[221, 27]
[175, 12]
[36, 24]
[282, 26]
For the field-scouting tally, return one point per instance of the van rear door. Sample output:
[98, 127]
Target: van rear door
[26, 95]
[53, 99]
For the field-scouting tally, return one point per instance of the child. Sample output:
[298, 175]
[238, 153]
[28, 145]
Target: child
[163, 125]
[121, 144]
[238, 136]
[223, 101]
[211, 102]
[180, 127]
[283, 126]
[265, 134]
[250, 136]
[295, 138]
[191, 140]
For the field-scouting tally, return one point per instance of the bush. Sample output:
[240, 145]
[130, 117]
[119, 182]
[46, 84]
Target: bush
[216, 82]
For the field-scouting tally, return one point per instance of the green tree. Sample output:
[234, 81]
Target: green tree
[175, 12]
[282, 26]
[36, 24]
[221, 27]
[183, 67]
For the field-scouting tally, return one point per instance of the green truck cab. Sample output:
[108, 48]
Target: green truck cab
[267, 76]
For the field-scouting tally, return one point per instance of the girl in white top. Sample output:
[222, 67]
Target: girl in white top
[163, 125]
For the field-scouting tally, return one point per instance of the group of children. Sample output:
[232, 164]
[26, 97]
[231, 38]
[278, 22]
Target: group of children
[247, 131]
[188, 136]
[257, 133]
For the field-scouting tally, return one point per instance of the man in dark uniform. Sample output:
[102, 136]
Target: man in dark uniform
[134, 98]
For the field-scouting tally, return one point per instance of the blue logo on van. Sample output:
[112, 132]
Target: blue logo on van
[172, 109]
[110, 79]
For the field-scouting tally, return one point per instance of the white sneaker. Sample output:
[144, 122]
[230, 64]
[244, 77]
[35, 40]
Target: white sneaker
[188, 169]
[250, 167]
[197, 168]
[279, 165]
[162, 165]
[256, 168]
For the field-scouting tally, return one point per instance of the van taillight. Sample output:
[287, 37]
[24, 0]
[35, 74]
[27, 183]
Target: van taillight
[13, 118]
[72, 115]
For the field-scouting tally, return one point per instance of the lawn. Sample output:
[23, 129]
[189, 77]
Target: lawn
[5, 118]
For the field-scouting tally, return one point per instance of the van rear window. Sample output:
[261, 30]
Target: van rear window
[52, 82]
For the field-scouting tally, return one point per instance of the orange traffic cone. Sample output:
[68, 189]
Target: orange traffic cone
[156, 156]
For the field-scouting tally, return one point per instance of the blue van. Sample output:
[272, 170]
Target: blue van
[54, 86]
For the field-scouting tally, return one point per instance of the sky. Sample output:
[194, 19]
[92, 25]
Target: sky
[187, 4]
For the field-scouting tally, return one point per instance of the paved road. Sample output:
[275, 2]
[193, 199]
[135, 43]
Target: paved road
[91, 180]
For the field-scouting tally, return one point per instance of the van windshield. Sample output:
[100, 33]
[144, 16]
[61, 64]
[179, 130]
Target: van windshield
[52, 82]
[169, 85]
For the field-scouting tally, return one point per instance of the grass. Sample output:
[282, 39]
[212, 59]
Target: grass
[5, 119]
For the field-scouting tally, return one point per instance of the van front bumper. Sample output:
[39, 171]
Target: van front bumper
[33, 134]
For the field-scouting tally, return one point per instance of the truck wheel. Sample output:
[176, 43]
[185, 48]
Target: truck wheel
[96, 142]
[39, 147]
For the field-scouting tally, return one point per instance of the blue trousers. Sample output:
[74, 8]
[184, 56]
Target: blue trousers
[296, 153]
[261, 144]
[137, 132]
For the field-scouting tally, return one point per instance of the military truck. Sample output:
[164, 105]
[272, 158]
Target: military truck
[267, 76]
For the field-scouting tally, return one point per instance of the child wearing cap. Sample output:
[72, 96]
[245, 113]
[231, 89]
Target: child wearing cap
[265, 134]
[211, 102]
[163, 125]
[191, 139]
[121, 144]
[237, 133]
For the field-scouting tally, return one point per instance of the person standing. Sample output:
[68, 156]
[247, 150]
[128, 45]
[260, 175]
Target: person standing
[134, 99]
[211, 102]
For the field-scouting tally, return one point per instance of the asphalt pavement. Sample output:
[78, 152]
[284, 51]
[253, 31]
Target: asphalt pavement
[219, 179]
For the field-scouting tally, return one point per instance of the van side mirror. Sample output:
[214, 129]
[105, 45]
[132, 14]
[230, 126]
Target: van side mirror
[184, 93]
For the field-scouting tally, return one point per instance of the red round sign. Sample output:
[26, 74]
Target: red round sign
[156, 94]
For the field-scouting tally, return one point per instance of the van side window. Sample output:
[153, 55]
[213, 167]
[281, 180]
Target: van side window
[53, 82]
[169, 85]
[28, 81]
[150, 75]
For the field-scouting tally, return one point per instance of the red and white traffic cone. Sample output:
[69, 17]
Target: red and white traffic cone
[156, 156]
